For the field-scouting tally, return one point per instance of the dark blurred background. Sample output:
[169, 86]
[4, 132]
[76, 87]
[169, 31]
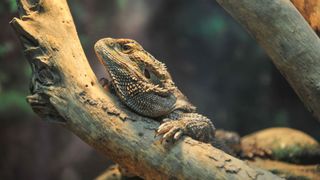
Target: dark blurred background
[212, 59]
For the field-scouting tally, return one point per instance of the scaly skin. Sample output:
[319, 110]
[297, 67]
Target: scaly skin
[145, 86]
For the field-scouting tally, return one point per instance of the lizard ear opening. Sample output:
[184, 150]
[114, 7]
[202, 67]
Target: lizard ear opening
[146, 73]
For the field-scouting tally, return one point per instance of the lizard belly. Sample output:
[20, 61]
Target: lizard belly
[151, 105]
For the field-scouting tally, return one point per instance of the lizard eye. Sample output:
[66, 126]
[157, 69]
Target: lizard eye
[146, 73]
[126, 48]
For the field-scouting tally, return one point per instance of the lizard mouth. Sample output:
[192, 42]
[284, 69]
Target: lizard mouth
[112, 64]
[117, 71]
[109, 76]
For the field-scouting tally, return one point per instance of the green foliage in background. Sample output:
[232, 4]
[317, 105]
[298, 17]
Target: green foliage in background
[13, 99]
[5, 48]
[13, 5]
[281, 118]
[121, 4]
[8, 5]
[212, 26]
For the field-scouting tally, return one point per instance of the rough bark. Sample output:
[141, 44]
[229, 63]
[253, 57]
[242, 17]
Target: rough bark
[64, 89]
[286, 170]
[282, 169]
[288, 39]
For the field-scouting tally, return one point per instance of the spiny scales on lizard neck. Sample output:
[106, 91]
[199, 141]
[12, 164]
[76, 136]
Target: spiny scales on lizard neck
[144, 85]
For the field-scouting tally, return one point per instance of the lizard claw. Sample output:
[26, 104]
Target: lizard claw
[105, 83]
[177, 135]
[171, 130]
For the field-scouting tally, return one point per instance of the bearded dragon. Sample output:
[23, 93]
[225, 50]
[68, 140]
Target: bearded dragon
[145, 86]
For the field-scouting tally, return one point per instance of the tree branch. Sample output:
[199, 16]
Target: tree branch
[287, 38]
[64, 89]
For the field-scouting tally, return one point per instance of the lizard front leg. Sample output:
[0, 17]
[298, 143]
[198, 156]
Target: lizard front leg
[107, 85]
[193, 125]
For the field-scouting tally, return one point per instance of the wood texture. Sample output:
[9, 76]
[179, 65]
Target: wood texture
[288, 39]
[286, 170]
[65, 90]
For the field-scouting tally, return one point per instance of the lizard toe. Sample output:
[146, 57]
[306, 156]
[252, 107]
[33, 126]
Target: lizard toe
[168, 136]
[167, 125]
[105, 83]
[171, 130]
[178, 135]
[163, 128]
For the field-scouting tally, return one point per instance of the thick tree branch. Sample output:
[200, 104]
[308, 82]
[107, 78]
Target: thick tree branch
[65, 89]
[288, 39]
[293, 171]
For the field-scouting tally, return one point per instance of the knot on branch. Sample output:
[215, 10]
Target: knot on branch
[26, 7]
[44, 74]
[42, 81]
[45, 77]
[41, 105]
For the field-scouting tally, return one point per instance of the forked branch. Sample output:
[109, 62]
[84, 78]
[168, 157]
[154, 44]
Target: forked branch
[288, 39]
[64, 89]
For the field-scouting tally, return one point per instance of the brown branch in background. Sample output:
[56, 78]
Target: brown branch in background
[310, 9]
[287, 38]
[64, 89]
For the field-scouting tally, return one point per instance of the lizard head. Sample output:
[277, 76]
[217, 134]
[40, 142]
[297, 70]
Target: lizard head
[141, 81]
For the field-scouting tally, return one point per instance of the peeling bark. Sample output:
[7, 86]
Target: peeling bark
[288, 39]
[64, 89]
